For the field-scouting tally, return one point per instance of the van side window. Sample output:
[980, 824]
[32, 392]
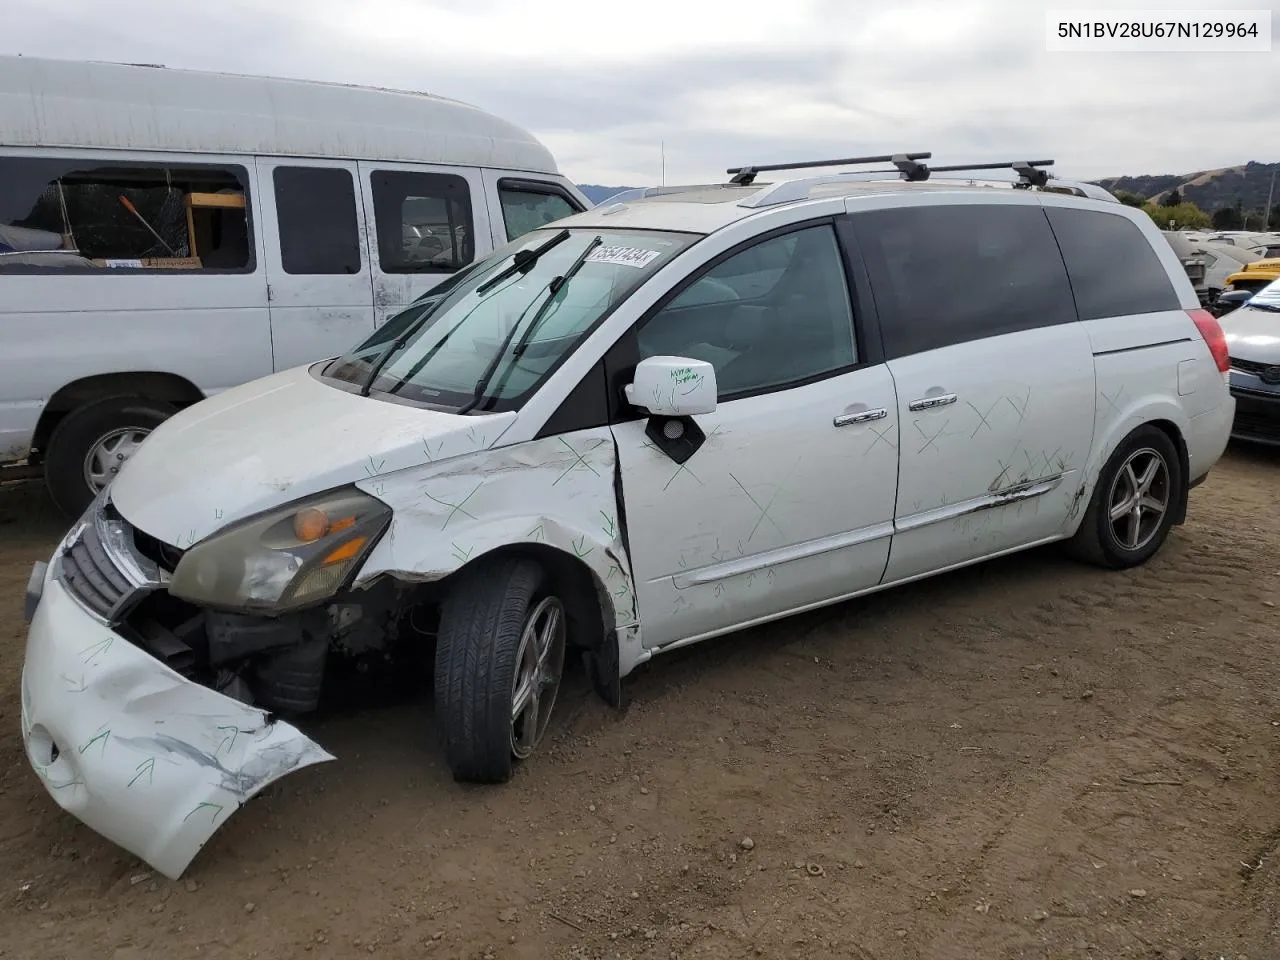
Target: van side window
[82, 215]
[528, 206]
[947, 274]
[316, 210]
[424, 221]
[1113, 269]
[796, 327]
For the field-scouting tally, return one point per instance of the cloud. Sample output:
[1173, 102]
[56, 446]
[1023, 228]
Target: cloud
[719, 83]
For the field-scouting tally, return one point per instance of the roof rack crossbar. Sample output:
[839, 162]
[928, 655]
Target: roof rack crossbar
[746, 175]
[1028, 171]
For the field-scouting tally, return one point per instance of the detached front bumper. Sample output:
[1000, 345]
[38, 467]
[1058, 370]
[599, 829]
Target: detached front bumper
[150, 760]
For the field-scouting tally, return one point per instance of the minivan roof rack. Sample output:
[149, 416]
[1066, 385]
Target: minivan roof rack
[905, 162]
[1029, 172]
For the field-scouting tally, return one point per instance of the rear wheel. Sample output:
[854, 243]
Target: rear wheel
[90, 445]
[499, 659]
[1134, 503]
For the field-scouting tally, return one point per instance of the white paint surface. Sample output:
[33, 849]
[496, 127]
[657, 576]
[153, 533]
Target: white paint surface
[153, 762]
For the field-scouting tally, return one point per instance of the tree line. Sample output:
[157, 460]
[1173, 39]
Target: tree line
[1187, 216]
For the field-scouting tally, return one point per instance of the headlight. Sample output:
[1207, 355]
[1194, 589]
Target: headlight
[286, 559]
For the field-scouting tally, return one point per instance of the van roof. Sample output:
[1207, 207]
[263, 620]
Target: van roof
[70, 104]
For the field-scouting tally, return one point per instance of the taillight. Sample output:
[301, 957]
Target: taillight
[1210, 329]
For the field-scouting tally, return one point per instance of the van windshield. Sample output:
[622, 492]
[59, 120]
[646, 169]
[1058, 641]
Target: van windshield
[498, 329]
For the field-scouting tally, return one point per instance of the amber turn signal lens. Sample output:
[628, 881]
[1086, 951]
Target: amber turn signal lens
[310, 524]
[345, 552]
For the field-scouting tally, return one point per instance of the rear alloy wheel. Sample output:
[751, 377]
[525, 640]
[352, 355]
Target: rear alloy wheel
[1134, 503]
[500, 656]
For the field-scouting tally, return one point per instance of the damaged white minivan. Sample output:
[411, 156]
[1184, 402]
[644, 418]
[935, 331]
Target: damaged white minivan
[649, 424]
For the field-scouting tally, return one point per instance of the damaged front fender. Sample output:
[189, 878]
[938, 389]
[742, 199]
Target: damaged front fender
[151, 761]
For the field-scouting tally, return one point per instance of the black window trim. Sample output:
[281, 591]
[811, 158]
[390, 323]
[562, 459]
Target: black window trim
[240, 171]
[889, 355]
[547, 187]
[621, 359]
[373, 169]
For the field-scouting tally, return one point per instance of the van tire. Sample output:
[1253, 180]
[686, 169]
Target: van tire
[80, 431]
[483, 622]
[1097, 541]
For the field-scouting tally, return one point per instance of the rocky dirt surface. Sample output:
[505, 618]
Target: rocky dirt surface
[1030, 758]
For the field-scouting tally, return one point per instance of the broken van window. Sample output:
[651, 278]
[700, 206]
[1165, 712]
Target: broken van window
[85, 216]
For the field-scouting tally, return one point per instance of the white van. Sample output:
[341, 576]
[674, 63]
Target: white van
[167, 234]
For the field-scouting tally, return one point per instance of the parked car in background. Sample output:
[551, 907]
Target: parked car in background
[1253, 342]
[152, 254]
[1255, 276]
[647, 425]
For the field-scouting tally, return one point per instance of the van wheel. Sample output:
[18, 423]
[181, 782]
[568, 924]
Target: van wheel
[1133, 504]
[92, 443]
[500, 655]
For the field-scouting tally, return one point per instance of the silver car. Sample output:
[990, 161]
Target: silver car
[1253, 341]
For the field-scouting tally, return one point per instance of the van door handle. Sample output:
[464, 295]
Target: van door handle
[924, 403]
[845, 419]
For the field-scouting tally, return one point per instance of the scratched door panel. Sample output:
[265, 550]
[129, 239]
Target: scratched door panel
[317, 266]
[779, 508]
[1020, 428]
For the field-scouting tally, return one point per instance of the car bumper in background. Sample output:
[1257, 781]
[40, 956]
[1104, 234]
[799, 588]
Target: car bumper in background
[1257, 418]
[151, 761]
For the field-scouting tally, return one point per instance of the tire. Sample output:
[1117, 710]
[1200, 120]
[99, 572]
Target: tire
[1117, 543]
[80, 432]
[485, 650]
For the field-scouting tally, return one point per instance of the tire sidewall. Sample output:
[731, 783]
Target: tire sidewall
[1144, 437]
[79, 431]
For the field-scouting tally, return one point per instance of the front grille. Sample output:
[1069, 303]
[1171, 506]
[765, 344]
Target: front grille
[91, 576]
[1257, 426]
[1250, 366]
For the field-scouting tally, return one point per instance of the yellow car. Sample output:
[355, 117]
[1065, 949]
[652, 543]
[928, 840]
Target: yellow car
[1256, 275]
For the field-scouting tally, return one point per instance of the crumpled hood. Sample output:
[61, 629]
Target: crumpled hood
[272, 441]
[1252, 334]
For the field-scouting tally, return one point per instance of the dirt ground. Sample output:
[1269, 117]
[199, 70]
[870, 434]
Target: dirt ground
[1026, 759]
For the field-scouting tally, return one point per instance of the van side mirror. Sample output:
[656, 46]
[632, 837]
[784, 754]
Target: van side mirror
[673, 387]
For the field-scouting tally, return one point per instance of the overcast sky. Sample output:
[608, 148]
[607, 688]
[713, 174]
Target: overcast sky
[724, 83]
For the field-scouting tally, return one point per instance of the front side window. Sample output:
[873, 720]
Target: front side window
[527, 207]
[506, 325]
[773, 314]
[944, 274]
[83, 216]
[424, 221]
[319, 230]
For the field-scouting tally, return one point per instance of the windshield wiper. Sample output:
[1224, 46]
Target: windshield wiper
[523, 261]
[555, 286]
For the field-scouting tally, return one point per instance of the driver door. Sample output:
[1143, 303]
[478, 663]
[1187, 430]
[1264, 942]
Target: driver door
[788, 502]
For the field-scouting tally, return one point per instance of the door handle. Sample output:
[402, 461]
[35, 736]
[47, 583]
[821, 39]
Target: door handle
[845, 419]
[924, 403]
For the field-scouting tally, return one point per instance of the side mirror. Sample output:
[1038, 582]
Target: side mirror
[673, 387]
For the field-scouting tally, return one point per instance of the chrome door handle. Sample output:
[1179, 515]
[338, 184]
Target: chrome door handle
[845, 419]
[924, 403]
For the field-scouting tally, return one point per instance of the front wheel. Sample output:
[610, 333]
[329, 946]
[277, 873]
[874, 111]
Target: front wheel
[500, 656]
[1134, 503]
[90, 445]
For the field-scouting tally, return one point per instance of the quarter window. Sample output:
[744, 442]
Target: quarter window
[527, 207]
[316, 208]
[84, 216]
[424, 221]
[946, 274]
[773, 314]
[1114, 272]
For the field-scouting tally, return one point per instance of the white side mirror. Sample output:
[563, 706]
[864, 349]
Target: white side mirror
[673, 387]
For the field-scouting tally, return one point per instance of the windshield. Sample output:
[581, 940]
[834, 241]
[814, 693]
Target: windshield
[1268, 298]
[486, 340]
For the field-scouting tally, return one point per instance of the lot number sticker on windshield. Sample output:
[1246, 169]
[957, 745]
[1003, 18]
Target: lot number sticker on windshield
[626, 256]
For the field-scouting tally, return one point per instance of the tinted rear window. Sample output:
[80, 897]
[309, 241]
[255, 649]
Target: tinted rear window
[945, 274]
[1114, 272]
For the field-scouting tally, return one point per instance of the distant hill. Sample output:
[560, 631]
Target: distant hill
[1209, 190]
[598, 194]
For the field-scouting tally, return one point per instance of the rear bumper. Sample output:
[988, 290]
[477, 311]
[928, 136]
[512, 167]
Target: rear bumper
[148, 759]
